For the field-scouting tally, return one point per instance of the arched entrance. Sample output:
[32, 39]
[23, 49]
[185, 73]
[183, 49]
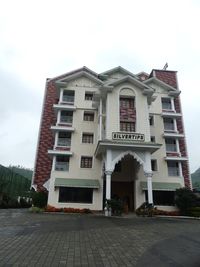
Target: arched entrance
[123, 180]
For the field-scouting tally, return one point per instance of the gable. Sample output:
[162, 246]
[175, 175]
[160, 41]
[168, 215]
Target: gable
[116, 73]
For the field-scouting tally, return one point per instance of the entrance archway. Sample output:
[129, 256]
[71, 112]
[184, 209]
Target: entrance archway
[123, 180]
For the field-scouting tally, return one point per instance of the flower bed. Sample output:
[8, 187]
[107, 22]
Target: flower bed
[67, 210]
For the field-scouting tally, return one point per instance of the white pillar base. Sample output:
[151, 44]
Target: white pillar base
[149, 187]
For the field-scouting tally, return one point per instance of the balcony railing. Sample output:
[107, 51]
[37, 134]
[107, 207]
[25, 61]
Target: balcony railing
[68, 99]
[171, 148]
[64, 142]
[62, 166]
[169, 127]
[66, 119]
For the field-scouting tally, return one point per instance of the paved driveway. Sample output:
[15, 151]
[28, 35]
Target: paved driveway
[92, 240]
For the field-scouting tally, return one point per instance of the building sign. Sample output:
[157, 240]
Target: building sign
[128, 136]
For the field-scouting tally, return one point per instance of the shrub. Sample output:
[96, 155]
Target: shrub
[13, 203]
[24, 203]
[195, 212]
[145, 209]
[39, 199]
[67, 210]
[116, 206]
[185, 199]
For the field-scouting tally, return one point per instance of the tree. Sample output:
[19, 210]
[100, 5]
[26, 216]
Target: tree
[185, 199]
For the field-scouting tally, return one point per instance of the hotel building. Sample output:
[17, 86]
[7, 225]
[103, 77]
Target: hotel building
[113, 134]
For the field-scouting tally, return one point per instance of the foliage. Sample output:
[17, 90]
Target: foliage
[8, 202]
[25, 203]
[148, 210]
[185, 199]
[195, 212]
[67, 210]
[145, 209]
[116, 206]
[39, 199]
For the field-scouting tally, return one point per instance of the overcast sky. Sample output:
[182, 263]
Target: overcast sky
[42, 39]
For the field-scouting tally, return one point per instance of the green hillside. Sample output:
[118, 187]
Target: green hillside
[196, 178]
[22, 171]
[13, 184]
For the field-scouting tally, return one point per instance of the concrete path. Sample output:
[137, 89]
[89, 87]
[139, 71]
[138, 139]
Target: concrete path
[92, 240]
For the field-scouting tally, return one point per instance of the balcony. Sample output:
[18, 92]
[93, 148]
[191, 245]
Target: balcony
[66, 101]
[170, 114]
[64, 142]
[61, 152]
[175, 158]
[173, 134]
[63, 106]
[62, 127]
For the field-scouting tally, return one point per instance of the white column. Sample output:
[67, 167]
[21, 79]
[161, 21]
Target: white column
[177, 146]
[172, 103]
[108, 184]
[175, 125]
[149, 187]
[180, 169]
[53, 163]
[56, 140]
[58, 116]
[100, 119]
[148, 173]
[61, 95]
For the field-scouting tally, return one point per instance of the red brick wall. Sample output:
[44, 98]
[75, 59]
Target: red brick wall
[46, 139]
[169, 77]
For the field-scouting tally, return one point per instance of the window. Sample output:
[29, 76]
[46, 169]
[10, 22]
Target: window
[88, 96]
[64, 139]
[170, 145]
[173, 168]
[153, 139]
[168, 124]
[75, 195]
[154, 165]
[86, 162]
[87, 138]
[66, 116]
[166, 103]
[151, 120]
[88, 116]
[127, 126]
[62, 163]
[164, 198]
[126, 102]
[68, 96]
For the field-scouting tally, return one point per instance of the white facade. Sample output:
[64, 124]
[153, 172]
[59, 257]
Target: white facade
[118, 160]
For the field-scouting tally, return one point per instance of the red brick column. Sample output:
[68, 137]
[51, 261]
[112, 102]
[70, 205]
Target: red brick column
[182, 144]
[46, 138]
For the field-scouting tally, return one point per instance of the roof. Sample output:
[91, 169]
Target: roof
[161, 186]
[84, 183]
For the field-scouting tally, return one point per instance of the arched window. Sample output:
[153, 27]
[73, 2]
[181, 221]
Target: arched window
[127, 110]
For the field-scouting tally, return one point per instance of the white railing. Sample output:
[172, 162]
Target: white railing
[169, 126]
[66, 119]
[171, 148]
[68, 98]
[62, 166]
[64, 142]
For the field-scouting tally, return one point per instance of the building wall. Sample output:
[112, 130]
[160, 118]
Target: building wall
[111, 123]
